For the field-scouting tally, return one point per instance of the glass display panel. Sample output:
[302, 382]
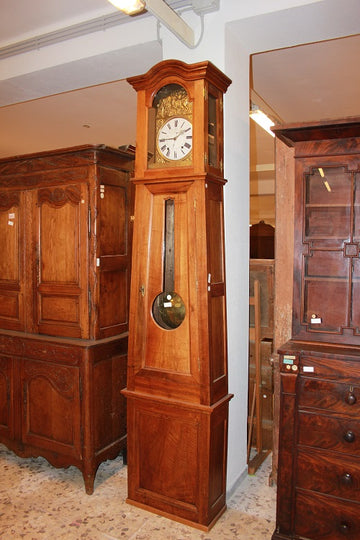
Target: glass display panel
[327, 264]
[331, 254]
[356, 269]
[357, 208]
[328, 198]
[327, 186]
[355, 306]
[327, 223]
[212, 132]
[325, 305]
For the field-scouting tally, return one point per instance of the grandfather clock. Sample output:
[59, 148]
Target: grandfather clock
[177, 388]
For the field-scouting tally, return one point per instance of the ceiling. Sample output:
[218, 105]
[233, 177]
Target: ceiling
[308, 82]
[316, 81]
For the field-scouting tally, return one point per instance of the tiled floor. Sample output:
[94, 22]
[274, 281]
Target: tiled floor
[39, 502]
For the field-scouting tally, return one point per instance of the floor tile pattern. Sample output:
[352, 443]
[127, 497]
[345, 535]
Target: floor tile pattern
[40, 502]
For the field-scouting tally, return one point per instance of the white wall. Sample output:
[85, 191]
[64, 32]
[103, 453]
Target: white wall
[230, 37]
[212, 47]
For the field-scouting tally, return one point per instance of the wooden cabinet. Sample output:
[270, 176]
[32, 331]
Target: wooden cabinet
[319, 429]
[263, 271]
[266, 392]
[61, 399]
[262, 240]
[261, 384]
[64, 222]
[65, 237]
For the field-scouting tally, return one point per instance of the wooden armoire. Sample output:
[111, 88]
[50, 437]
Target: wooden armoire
[65, 239]
[319, 431]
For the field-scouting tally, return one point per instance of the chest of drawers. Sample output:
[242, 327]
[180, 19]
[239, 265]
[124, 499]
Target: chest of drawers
[319, 453]
[319, 426]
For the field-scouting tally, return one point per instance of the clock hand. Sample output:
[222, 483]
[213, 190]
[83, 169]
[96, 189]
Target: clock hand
[168, 138]
[181, 132]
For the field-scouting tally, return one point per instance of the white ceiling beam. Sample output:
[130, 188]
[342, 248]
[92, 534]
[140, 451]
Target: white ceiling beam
[169, 18]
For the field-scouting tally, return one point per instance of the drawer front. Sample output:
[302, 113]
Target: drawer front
[325, 518]
[330, 432]
[337, 369]
[329, 395]
[329, 473]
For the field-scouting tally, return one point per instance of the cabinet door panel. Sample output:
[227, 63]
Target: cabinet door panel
[323, 301]
[114, 302]
[61, 237]
[51, 399]
[216, 288]
[326, 271]
[109, 403]
[114, 253]
[11, 264]
[6, 397]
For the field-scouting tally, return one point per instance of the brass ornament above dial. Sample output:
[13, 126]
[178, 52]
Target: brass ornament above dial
[170, 122]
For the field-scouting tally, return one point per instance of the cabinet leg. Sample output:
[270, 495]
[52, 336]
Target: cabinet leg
[278, 536]
[89, 480]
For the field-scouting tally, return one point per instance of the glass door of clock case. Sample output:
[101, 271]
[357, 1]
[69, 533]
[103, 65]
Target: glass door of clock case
[215, 129]
[170, 128]
[330, 251]
[162, 339]
[168, 307]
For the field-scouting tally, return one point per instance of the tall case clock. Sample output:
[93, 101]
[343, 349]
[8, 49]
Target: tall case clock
[177, 387]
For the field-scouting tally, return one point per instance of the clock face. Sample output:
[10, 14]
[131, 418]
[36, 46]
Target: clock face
[174, 138]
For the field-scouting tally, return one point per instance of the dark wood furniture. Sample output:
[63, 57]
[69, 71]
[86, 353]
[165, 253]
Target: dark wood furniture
[64, 282]
[261, 271]
[257, 396]
[177, 389]
[319, 453]
[262, 241]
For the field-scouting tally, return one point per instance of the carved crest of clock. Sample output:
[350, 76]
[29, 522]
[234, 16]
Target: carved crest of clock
[177, 388]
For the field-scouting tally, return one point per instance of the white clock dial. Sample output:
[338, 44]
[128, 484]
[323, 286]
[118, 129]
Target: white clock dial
[175, 139]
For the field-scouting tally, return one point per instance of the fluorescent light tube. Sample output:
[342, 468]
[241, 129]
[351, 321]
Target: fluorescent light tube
[130, 7]
[262, 120]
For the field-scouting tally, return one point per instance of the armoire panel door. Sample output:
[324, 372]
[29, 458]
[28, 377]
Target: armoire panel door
[51, 401]
[216, 291]
[11, 261]
[61, 238]
[114, 256]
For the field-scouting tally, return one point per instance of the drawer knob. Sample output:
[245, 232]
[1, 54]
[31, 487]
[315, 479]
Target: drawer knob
[345, 528]
[346, 479]
[350, 398]
[349, 436]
